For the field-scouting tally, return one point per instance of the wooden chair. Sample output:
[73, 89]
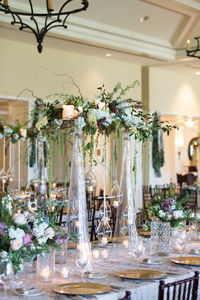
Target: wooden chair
[147, 195]
[127, 296]
[185, 289]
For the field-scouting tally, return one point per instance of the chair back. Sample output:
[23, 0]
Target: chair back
[185, 289]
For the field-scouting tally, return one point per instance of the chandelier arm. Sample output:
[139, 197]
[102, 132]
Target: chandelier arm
[85, 6]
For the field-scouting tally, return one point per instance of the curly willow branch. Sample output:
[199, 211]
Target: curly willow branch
[64, 74]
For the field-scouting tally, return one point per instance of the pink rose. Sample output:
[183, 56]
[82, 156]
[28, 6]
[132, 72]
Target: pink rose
[16, 244]
[26, 239]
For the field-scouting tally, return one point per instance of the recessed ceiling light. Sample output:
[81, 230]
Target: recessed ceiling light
[143, 19]
[108, 54]
[198, 73]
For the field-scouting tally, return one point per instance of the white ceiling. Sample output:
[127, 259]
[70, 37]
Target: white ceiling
[113, 26]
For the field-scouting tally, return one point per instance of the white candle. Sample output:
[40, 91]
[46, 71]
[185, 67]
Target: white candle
[23, 132]
[68, 112]
[104, 254]
[115, 203]
[54, 185]
[188, 44]
[104, 240]
[77, 223]
[45, 273]
[177, 247]
[90, 188]
[129, 222]
[96, 254]
[64, 272]
[125, 244]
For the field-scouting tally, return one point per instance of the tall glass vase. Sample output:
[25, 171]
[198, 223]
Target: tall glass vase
[77, 209]
[125, 226]
[41, 172]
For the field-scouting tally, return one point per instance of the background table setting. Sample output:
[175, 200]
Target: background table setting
[116, 268]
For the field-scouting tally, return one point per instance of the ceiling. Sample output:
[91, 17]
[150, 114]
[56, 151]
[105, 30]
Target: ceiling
[113, 26]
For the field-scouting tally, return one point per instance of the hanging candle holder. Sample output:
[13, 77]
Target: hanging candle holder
[125, 225]
[104, 231]
[117, 195]
[77, 210]
[91, 184]
[10, 172]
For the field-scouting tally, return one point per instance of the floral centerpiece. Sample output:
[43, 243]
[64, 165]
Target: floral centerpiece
[168, 207]
[24, 234]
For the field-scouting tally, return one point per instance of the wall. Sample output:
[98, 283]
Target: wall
[174, 93]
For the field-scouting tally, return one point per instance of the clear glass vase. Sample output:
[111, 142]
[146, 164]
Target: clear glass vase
[46, 265]
[125, 226]
[160, 236]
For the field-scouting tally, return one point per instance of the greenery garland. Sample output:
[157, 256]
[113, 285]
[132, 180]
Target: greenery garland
[157, 147]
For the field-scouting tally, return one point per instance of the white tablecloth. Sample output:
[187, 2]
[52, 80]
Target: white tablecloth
[119, 259]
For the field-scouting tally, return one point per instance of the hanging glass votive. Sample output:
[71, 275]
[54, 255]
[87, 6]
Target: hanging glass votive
[90, 181]
[10, 175]
[105, 212]
[104, 231]
[3, 177]
[117, 195]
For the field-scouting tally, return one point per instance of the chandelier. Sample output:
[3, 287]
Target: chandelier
[31, 19]
[194, 52]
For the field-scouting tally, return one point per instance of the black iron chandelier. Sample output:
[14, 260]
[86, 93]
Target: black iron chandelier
[29, 20]
[194, 52]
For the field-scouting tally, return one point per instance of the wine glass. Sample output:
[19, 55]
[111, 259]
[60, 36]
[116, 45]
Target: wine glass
[81, 263]
[138, 249]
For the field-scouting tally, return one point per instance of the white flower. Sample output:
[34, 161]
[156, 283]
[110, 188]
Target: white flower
[80, 109]
[42, 240]
[19, 219]
[25, 213]
[7, 131]
[39, 229]
[15, 136]
[1, 135]
[173, 207]
[49, 233]
[169, 217]
[178, 214]
[101, 105]
[161, 213]
[16, 233]
[192, 215]
[80, 123]
[16, 244]
[197, 215]
[3, 254]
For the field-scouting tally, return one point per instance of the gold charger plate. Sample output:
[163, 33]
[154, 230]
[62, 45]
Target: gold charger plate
[141, 274]
[82, 288]
[187, 260]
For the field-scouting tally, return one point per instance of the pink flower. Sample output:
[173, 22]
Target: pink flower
[26, 239]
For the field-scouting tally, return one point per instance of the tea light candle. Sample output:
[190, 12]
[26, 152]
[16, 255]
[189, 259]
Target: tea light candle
[96, 254]
[125, 244]
[90, 188]
[54, 185]
[104, 254]
[23, 132]
[177, 247]
[45, 273]
[115, 203]
[129, 222]
[68, 112]
[77, 223]
[104, 240]
[64, 272]
[188, 44]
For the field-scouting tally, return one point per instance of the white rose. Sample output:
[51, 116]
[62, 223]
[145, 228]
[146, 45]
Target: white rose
[16, 244]
[161, 213]
[42, 240]
[16, 233]
[49, 233]
[19, 219]
[39, 229]
[3, 254]
[192, 215]
[25, 213]
[178, 214]
[101, 105]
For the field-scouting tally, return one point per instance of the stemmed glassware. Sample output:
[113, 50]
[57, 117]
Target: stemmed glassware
[138, 249]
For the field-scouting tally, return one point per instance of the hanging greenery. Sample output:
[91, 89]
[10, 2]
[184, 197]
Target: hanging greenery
[157, 146]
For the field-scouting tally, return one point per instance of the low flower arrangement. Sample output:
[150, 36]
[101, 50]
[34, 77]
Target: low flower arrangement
[168, 208]
[25, 234]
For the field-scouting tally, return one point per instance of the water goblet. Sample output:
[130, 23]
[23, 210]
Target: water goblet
[138, 250]
[81, 263]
